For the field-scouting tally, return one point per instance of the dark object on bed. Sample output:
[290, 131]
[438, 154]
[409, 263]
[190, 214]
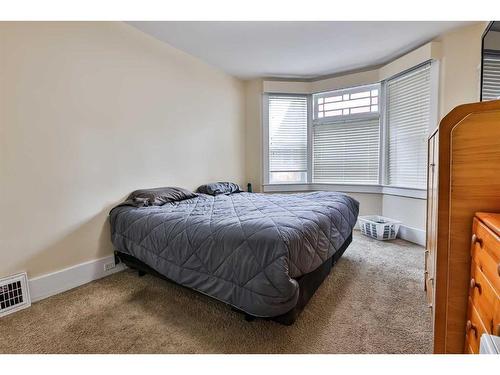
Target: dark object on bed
[157, 196]
[248, 250]
[308, 283]
[217, 188]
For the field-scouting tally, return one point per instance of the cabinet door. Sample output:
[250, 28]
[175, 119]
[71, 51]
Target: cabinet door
[430, 252]
[433, 168]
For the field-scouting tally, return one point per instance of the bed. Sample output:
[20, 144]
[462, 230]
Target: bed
[263, 254]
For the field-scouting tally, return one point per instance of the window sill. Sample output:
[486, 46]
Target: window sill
[347, 188]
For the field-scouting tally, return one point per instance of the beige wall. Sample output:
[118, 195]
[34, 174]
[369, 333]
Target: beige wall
[90, 112]
[460, 67]
[253, 133]
[369, 204]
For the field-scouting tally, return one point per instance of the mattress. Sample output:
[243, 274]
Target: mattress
[244, 249]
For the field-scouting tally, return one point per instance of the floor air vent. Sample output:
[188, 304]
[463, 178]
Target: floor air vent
[14, 294]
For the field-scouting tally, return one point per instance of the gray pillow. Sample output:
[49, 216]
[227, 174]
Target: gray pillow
[217, 188]
[157, 196]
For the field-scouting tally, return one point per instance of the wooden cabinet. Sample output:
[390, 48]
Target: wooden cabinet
[484, 287]
[463, 178]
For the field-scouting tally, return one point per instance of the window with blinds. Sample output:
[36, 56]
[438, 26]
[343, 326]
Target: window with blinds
[408, 106]
[346, 136]
[491, 76]
[287, 139]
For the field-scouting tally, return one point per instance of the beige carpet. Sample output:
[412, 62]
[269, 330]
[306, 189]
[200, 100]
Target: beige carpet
[372, 302]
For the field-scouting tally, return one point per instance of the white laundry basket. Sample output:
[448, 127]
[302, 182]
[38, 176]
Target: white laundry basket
[379, 227]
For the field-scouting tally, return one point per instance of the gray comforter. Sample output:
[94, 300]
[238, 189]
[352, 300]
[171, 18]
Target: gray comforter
[244, 249]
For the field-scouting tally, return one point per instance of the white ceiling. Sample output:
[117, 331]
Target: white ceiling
[295, 49]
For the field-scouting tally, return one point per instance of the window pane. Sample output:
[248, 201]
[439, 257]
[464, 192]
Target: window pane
[287, 138]
[333, 113]
[330, 99]
[363, 94]
[408, 116]
[360, 110]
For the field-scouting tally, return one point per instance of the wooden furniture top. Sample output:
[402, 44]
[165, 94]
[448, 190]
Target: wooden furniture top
[492, 221]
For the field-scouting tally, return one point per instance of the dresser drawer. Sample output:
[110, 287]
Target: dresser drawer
[486, 253]
[483, 297]
[474, 329]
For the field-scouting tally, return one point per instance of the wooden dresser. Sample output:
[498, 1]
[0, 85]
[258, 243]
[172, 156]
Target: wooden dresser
[483, 310]
[463, 178]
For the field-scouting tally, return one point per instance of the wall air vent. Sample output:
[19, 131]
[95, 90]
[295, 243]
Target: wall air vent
[14, 293]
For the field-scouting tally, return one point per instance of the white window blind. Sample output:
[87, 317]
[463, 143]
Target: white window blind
[346, 136]
[408, 115]
[491, 77]
[347, 152]
[287, 139]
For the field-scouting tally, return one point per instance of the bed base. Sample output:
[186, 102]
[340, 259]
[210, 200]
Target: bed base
[308, 283]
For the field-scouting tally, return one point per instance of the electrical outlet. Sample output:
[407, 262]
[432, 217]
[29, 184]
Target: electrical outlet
[109, 266]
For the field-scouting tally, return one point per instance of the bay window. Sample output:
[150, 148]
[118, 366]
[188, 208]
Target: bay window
[365, 135]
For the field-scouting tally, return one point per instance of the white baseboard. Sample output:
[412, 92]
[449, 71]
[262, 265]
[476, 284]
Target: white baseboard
[60, 281]
[412, 235]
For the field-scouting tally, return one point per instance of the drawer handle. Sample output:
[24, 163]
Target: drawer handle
[477, 240]
[497, 330]
[474, 284]
[470, 327]
[498, 271]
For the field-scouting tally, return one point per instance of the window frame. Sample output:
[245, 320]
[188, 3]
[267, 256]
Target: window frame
[265, 136]
[382, 187]
[343, 91]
